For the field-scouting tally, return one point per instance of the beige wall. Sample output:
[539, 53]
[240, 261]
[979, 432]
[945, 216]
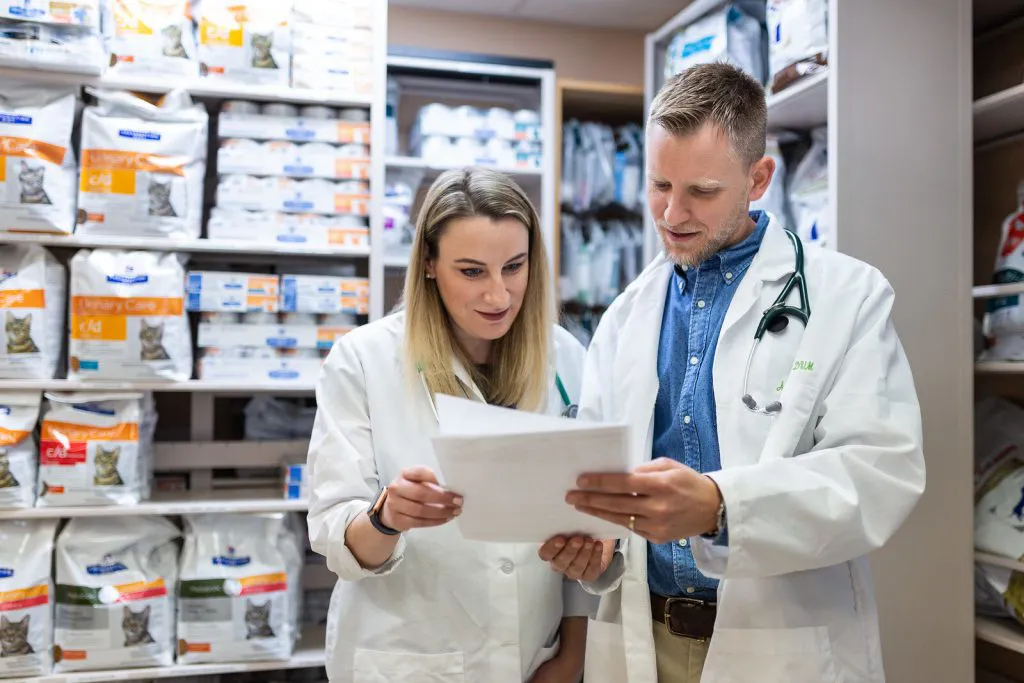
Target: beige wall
[611, 55]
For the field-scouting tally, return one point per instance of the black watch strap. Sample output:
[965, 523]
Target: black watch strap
[373, 513]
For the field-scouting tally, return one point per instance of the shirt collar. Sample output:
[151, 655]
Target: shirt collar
[731, 263]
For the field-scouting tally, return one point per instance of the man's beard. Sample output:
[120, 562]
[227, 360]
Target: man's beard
[718, 240]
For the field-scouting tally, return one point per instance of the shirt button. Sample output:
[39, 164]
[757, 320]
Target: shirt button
[691, 589]
[686, 419]
[701, 304]
[693, 360]
[728, 276]
[507, 566]
[683, 543]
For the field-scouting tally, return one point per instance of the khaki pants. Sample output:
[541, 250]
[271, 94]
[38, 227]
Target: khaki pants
[680, 660]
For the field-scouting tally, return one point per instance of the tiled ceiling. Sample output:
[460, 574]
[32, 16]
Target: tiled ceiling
[644, 15]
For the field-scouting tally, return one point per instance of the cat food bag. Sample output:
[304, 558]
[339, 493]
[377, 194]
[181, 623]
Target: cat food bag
[89, 450]
[1003, 324]
[37, 166]
[733, 34]
[128, 319]
[19, 411]
[33, 295]
[26, 624]
[240, 588]
[245, 41]
[116, 580]
[798, 40]
[142, 166]
[151, 37]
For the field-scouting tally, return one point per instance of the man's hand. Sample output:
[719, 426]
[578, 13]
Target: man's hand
[578, 557]
[416, 500]
[667, 501]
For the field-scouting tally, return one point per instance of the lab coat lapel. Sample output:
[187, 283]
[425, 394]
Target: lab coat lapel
[463, 375]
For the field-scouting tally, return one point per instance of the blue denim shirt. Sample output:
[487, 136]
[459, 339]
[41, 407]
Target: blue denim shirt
[685, 420]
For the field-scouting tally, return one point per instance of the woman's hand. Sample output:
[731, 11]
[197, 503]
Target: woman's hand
[416, 500]
[579, 558]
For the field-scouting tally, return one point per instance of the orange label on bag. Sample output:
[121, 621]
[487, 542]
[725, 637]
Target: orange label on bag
[67, 433]
[24, 598]
[113, 305]
[219, 36]
[22, 298]
[116, 160]
[10, 437]
[265, 583]
[31, 149]
[99, 327]
[141, 590]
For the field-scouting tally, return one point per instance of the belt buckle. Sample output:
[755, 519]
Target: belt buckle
[691, 603]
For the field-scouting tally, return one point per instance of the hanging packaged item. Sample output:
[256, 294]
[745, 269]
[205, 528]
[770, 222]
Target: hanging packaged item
[774, 198]
[116, 581]
[142, 166]
[89, 450]
[151, 37]
[33, 296]
[28, 45]
[240, 588]
[128, 319]
[1003, 325]
[246, 42]
[19, 411]
[734, 35]
[798, 40]
[37, 166]
[26, 597]
[808, 192]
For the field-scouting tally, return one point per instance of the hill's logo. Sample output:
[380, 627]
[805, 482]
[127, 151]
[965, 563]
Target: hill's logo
[231, 558]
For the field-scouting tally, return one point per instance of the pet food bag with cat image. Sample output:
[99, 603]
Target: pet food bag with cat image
[142, 165]
[26, 608]
[151, 37]
[37, 166]
[89, 450]
[128, 319]
[240, 591]
[116, 582]
[245, 41]
[19, 411]
[33, 295]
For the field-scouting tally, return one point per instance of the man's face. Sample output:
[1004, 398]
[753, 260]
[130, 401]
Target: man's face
[699, 190]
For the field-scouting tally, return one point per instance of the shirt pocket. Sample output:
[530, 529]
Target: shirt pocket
[793, 655]
[374, 666]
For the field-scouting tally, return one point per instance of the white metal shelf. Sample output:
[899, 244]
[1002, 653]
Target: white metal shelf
[993, 291]
[184, 503]
[195, 246]
[194, 385]
[1004, 633]
[419, 162]
[309, 654]
[801, 106]
[999, 114]
[197, 87]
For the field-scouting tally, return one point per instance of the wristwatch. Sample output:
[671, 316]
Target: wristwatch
[374, 514]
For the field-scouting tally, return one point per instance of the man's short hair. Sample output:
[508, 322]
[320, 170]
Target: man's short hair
[719, 94]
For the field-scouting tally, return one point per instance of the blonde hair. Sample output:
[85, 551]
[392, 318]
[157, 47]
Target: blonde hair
[518, 371]
[719, 94]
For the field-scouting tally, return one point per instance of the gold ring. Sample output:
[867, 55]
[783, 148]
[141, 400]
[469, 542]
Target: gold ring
[632, 521]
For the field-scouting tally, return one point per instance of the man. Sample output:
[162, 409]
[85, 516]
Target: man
[770, 477]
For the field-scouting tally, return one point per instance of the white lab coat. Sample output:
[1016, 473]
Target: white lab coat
[808, 492]
[442, 609]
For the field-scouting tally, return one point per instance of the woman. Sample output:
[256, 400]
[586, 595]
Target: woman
[415, 601]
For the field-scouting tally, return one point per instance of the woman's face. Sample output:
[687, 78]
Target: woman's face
[481, 271]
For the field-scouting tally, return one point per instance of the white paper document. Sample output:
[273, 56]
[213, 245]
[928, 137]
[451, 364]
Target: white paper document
[514, 468]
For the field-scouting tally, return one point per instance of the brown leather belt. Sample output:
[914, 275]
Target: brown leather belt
[685, 617]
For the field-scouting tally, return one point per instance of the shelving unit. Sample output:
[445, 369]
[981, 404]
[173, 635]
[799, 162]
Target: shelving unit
[196, 246]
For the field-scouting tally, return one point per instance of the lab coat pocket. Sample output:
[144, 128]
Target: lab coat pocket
[794, 655]
[605, 658]
[373, 666]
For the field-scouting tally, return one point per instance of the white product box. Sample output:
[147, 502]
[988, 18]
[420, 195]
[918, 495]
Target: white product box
[293, 128]
[310, 71]
[267, 371]
[216, 291]
[333, 44]
[310, 294]
[328, 334]
[219, 336]
[39, 46]
[289, 195]
[286, 228]
[355, 295]
[282, 158]
[343, 13]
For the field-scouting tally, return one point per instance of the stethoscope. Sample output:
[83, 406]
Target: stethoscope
[569, 410]
[776, 318]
